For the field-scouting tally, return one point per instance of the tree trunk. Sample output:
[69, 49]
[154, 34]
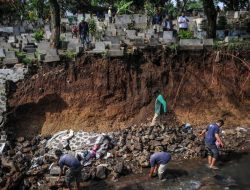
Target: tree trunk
[211, 13]
[55, 22]
[40, 9]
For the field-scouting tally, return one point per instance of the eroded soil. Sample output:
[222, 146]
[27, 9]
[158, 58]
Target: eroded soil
[98, 94]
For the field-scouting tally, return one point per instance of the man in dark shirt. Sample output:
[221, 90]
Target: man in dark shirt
[211, 137]
[83, 32]
[158, 161]
[74, 172]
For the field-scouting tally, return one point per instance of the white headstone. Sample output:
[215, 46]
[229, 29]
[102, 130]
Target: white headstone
[2, 54]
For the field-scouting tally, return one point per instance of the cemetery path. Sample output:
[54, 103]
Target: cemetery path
[98, 94]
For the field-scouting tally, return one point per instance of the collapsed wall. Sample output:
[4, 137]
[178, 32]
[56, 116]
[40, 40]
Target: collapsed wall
[101, 94]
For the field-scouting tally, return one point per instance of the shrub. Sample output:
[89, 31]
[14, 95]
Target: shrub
[185, 34]
[70, 55]
[38, 35]
[92, 27]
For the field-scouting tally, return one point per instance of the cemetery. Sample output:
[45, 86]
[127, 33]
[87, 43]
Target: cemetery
[86, 78]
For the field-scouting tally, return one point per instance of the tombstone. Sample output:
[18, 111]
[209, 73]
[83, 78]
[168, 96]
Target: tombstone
[139, 42]
[112, 39]
[141, 35]
[150, 33]
[99, 48]
[153, 42]
[64, 20]
[208, 42]
[140, 21]
[73, 44]
[11, 39]
[231, 38]
[47, 35]
[2, 54]
[10, 58]
[220, 34]
[47, 27]
[115, 52]
[191, 44]
[131, 34]
[31, 56]
[236, 15]
[29, 48]
[87, 17]
[168, 36]
[51, 56]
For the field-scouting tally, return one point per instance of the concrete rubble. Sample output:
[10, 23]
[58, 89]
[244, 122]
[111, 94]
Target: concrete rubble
[31, 164]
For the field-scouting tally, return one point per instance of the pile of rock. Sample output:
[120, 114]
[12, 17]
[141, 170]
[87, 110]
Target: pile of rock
[30, 164]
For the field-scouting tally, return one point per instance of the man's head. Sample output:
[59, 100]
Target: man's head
[156, 93]
[220, 122]
[182, 14]
[58, 153]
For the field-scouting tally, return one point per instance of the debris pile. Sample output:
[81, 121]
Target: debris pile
[32, 164]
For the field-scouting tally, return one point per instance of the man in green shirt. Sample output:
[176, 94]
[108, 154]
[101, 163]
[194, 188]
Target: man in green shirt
[160, 106]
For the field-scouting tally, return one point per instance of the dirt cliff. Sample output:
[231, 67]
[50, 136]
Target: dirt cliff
[102, 94]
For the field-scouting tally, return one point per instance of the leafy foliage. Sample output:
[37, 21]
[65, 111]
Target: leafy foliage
[92, 26]
[123, 7]
[149, 8]
[185, 35]
[38, 35]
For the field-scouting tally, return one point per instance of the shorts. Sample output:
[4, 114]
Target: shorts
[162, 170]
[212, 150]
[73, 174]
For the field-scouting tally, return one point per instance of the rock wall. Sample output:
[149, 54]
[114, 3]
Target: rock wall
[98, 94]
[12, 75]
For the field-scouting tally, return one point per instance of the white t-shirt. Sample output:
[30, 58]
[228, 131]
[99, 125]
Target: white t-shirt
[110, 13]
[183, 22]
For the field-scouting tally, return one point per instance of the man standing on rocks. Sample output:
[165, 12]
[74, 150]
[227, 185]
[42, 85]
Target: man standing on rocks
[158, 163]
[160, 105]
[211, 137]
[74, 172]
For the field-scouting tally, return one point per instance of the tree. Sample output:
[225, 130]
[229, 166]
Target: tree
[210, 11]
[55, 22]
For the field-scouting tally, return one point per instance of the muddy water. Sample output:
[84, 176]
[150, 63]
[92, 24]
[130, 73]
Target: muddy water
[187, 175]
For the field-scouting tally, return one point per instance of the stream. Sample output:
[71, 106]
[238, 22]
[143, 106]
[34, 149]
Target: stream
[187, 175]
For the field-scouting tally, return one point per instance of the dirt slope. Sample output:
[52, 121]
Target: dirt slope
[97, 94]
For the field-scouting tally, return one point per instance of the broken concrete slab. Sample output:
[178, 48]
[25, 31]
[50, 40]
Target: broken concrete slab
[191, 44]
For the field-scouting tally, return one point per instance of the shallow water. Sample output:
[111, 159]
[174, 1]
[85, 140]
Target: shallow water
[187, 175]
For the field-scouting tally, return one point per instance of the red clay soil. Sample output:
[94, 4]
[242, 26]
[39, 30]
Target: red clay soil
[98, 94]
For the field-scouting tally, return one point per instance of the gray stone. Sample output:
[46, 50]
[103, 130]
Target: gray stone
[115, 53]
[131, 34]
[208, 42]
[2, 54]
[168, 36]
[2, 147]
[55, 170]
[10, 58]
[101, 172]
[191, 44]
[11, 39]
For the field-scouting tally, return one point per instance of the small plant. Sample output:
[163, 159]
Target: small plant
[20, 56]
[70, 55]
[150, 9]
[123, 7]
[92, 27]
[26, 61]
[185, 34]
[38, 35]
[174, 47]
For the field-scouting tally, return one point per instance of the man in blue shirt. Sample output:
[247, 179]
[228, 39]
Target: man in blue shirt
[211, 137]
[74, 172]
[160, 106]
[158, 161]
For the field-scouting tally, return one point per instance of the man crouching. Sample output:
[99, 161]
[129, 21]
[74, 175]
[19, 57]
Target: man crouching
[158, 163]
[74, 172]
